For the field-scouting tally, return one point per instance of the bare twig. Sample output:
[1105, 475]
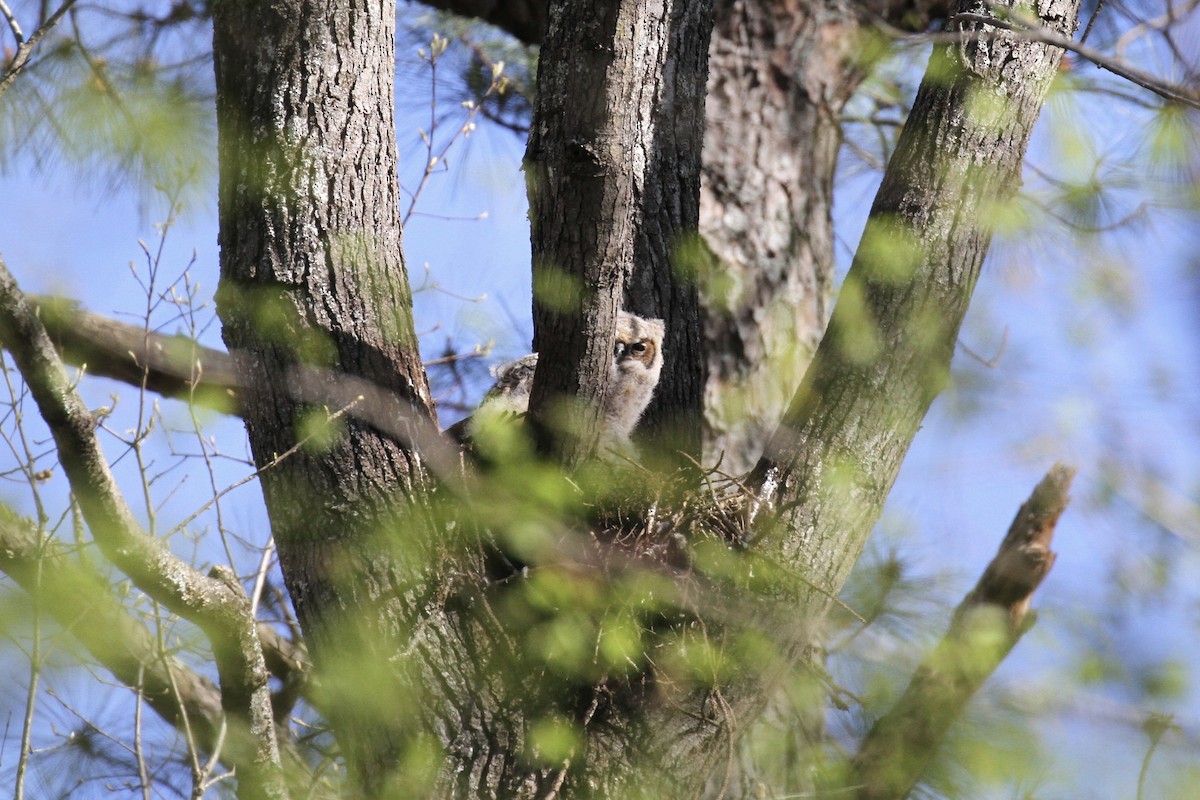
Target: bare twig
[1087, 31]
[13, 25]
[994, 361]
[291, 451]
[80, 599]
[25, 48]
[31, 691]
[1161, 23]
[139, 752]
[435, 162]
[1155, 727]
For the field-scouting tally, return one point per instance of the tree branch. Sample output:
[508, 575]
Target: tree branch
[83, 603]
[179, 367]
[216, 603]
[25, 47]
[623, 166]
[174, 366]
[886, 353]
[524, 19]
[1031, 30]
[897, 750]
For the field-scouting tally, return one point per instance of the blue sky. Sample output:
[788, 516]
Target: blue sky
[1099, 370]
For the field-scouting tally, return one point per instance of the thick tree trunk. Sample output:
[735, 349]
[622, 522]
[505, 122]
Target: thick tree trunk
[312, 275]
[613, 165]
[312, 280]
[779, 79]
[780, 76]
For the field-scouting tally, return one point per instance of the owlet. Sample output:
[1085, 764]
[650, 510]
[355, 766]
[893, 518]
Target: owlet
[636, 365]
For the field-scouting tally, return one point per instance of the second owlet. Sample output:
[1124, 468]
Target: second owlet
[636, 365]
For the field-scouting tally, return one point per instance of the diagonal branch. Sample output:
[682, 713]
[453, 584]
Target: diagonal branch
[1032, 30]
[83, 603]
[25, 48]
[886, 353]
[179, 367]
[216, 603]
[897, 750]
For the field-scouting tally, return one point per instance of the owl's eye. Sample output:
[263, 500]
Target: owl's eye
[638, 348]
[618, 350]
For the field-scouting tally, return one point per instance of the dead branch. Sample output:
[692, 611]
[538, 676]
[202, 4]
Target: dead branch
[987, 624]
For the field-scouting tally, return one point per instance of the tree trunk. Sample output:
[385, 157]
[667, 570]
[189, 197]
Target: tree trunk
[886, 354]
[613, 165]
[781, 74]
[779, 79]
[312, 276]
[312, 281]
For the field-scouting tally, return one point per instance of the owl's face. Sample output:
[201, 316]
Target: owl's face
[637, 362]
[639, 344]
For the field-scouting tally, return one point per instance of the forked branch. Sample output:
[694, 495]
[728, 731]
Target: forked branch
[215, 602]
[83, 603]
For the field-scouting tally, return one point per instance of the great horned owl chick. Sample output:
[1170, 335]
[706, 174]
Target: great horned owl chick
[636, 365]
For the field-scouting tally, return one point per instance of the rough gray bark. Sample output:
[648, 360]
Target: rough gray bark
[315, 242]
[613, 166]
[312, 275]
[310, 250]
[779, 79]
[832, 462]
[780, 76]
